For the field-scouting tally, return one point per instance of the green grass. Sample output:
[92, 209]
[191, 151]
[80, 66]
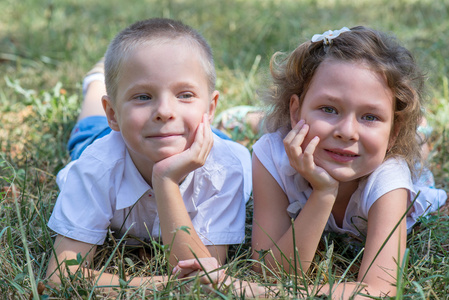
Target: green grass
[47, 46]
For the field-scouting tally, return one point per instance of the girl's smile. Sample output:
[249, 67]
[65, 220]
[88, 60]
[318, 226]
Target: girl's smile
[350, 108]
[341, 155]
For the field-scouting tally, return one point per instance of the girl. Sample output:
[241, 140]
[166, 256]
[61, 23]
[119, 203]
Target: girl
[340, 155]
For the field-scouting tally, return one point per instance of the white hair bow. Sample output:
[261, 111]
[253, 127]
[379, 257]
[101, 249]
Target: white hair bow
[329, 35]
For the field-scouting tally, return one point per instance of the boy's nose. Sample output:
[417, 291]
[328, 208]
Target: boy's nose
[164, 110]
[347, 129]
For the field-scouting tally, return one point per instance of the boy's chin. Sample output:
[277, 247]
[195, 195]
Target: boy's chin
[168, 154]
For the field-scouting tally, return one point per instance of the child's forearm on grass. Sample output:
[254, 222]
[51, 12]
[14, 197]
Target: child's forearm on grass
[173, 215]
[245, 288]
[308, 229]
[352, 290]
[107, 281]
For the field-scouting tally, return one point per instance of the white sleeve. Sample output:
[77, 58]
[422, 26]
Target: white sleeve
[83, 209]
[391, 175]
[265, 149]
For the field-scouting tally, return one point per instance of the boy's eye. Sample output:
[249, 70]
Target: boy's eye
[185, 96]
[328, 110]
[370, 118]
[143, 97]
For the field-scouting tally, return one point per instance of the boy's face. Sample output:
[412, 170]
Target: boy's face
[162, 96]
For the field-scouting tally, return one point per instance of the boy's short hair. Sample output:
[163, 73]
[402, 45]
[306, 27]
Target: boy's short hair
[156, 30]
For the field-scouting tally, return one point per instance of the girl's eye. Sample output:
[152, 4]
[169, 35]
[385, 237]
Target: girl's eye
[143, 97]
[328, 110]
[370, 118]
[185, 96]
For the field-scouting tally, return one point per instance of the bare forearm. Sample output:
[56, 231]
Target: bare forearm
[173, 215]
[106, 281]
[353, 290]
[306, 231]
[245, 288]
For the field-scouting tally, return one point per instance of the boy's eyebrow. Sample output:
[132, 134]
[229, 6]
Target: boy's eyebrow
[148, 84]
[188, 84]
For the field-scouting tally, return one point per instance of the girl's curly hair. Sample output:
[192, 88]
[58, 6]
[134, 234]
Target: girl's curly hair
[292, 74]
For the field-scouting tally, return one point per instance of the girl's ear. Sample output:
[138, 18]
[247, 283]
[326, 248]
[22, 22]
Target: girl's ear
[213, 105]
[110, 113]
[295, 109]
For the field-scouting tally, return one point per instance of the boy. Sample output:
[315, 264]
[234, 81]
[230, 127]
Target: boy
[161, 167]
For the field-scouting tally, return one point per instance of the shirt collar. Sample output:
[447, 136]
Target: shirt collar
[132, 186]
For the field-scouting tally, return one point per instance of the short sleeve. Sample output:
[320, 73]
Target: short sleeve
[391, 175]
[270, 151]
[83, 209]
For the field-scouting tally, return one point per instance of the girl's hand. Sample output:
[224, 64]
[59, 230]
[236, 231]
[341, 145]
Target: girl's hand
[208, 270]
[176, 167]
[303, 162]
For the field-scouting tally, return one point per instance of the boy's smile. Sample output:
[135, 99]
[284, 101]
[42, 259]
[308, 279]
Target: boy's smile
[162, 96]
[350, 108]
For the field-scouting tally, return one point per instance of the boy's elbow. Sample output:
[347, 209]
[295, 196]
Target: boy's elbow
[53, 277]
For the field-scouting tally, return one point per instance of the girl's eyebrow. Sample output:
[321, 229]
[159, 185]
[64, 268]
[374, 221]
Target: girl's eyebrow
[375, 107]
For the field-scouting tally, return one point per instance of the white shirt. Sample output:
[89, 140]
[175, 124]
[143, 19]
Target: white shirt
[390, 175]
[103, 189]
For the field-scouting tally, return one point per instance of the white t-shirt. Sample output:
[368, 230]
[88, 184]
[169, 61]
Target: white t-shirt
[103, 189]
[392, 174]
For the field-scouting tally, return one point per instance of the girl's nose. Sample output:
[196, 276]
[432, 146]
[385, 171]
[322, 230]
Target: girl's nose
[347, 129]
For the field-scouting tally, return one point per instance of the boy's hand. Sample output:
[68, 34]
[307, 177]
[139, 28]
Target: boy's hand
[176, 167]
[206, 265]
[303, 162]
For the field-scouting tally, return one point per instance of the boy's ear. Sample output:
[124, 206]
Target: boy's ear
[295, 109]
[110, 113]
[213, 105]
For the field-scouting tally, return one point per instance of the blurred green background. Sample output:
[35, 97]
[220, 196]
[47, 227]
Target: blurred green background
[46, 47]
[43, 42]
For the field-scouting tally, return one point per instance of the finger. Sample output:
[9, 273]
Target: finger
[199, 136]
[196, 149]
[186, 267]
[208, 140]
[298, 140]
[211, 277]
[289, 137]
[310, 149]
[308, 159]
[189, 263]
[294, 140]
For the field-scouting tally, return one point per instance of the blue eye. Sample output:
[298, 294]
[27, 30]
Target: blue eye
[370, 118]
[143, 97]
[185, 96]
[328, 110]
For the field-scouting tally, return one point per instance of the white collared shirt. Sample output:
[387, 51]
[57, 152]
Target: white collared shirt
[103, 189]
[390, 175]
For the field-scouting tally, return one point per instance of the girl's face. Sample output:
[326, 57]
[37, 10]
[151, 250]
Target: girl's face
[350, 108]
